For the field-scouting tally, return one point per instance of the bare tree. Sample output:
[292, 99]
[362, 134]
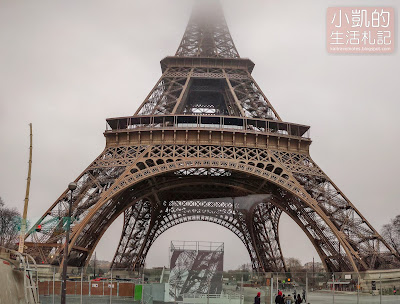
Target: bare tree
[391, 233]
[294, 265]
[9, 225]
[245, 267]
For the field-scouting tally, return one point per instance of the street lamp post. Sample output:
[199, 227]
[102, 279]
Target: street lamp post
[71, 187]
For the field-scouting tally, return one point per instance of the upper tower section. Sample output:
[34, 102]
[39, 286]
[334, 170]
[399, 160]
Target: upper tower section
[206, 94]
[207, 34]
[207, 76]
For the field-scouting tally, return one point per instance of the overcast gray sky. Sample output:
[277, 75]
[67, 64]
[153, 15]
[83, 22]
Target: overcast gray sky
[65, 66]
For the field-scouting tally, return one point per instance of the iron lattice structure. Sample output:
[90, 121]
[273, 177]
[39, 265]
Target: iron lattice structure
[203, 140]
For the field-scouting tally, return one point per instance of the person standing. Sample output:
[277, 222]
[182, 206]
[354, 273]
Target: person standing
[257, 298]
[279, 299]
[289, 299]
[298, 300]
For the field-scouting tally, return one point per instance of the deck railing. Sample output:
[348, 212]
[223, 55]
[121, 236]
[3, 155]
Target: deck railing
[265, 126]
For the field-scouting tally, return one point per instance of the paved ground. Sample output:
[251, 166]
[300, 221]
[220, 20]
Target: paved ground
[87, 299]
[323, 297]
[314, 298]
[351, 299]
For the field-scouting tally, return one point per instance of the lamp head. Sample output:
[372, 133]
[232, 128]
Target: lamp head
[72, 186]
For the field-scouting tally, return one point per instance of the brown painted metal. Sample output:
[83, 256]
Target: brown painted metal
[204, 139]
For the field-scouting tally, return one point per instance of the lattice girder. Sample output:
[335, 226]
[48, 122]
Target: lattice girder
[242, 94]
[223, 212]
[146, 172]
[207, 34]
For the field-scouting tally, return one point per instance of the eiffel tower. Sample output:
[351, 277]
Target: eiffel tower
[207, 145]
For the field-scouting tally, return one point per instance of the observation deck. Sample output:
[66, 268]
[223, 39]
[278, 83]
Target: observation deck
[207, 129]
[207, 62]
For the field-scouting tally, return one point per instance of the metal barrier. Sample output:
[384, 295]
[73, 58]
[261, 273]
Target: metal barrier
[25, 264]
[237, 287]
